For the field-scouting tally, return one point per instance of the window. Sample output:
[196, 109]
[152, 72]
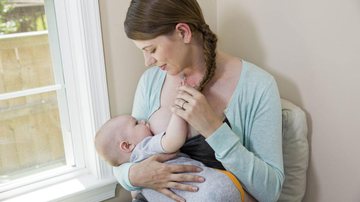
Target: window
[53, 97]
[31, 135]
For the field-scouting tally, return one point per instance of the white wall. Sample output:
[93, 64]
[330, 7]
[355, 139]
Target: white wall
[124, 62]
[311, 47]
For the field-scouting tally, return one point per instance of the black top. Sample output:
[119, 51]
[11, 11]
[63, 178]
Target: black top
[198, 149]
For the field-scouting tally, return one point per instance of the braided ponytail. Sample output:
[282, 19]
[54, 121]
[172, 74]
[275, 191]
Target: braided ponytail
[209, 47]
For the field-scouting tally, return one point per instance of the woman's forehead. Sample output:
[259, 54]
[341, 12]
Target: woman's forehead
[143, 44]
[147, 44]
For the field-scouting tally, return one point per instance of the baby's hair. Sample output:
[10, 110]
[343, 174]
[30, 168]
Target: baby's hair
[107, 141]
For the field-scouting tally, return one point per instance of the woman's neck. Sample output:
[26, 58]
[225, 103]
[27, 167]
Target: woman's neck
[195, 69]
[193, 75]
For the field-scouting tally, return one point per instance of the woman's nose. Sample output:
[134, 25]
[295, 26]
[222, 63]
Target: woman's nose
[149, 60]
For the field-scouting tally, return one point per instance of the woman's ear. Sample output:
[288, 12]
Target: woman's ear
[184, 31]
[126, 146]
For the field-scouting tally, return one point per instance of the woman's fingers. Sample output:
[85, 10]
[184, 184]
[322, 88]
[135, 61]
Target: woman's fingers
[186, 178]
[184, 96]
[190, 90]
[184, 168]
[154, 174]
[171, 195]
[163, 157]
[183, 187]
[179, 103]
[188, 94]
[193, 107]
[172, 168]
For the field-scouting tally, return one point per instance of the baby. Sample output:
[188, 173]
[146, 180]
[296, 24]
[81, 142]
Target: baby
[123, 139]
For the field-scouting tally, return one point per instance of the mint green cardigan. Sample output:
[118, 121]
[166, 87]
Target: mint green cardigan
[251, 149]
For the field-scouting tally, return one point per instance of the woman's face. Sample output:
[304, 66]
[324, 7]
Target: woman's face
[168, 52]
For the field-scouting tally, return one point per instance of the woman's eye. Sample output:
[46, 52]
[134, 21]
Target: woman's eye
[153, 50]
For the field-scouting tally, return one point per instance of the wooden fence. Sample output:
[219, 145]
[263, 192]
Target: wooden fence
[30, 131]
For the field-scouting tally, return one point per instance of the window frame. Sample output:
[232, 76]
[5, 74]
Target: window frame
[82, 61]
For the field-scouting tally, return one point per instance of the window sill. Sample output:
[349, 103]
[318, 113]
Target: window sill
[82, 188]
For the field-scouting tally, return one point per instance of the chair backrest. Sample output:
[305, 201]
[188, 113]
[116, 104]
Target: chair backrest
[295, 151]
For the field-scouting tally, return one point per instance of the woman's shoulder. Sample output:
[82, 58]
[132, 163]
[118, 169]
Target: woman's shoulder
[153, 74]
[254, 74]
[254, 81]
[153, 71]
[255, 85]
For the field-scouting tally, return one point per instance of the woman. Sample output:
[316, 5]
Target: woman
[232, 104]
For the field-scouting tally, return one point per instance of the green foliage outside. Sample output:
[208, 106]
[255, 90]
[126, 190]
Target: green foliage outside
[16, 19]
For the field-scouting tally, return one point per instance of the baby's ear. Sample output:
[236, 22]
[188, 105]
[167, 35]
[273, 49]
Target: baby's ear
[126, 146]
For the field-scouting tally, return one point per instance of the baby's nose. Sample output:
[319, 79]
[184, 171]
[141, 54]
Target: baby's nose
[143, 122]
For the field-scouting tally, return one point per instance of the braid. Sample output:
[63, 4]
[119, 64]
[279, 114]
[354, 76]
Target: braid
[209, 46]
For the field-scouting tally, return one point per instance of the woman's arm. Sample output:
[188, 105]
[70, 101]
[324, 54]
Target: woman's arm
[259, 165]
[154, 174]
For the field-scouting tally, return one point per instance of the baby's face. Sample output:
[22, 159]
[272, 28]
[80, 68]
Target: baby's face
[137, 130]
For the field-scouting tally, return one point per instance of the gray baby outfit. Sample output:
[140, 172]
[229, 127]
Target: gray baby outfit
[216, 188]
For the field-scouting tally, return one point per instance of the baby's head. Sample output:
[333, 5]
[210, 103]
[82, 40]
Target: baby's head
[116, 139]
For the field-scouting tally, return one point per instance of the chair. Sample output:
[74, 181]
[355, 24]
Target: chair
[295, 151]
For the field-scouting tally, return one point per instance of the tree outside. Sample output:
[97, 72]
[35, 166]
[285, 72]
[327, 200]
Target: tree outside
[17, 16]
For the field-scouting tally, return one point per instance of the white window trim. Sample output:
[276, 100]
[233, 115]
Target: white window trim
[33, 91]
[79, 32]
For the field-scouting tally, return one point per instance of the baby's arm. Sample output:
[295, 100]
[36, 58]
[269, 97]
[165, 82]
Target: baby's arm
[175, 135]
[176, 131]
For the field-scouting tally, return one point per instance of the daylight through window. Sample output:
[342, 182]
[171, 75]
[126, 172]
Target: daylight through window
[31, 137]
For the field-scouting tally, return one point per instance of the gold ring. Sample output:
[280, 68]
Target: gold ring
[182, 106]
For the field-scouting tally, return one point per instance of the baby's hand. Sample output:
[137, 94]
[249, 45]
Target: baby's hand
[185, 82]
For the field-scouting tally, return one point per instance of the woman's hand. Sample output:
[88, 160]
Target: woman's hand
[192, 105]
[154, 174]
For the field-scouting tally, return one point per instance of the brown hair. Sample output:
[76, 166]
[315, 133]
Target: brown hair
[147, 19]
